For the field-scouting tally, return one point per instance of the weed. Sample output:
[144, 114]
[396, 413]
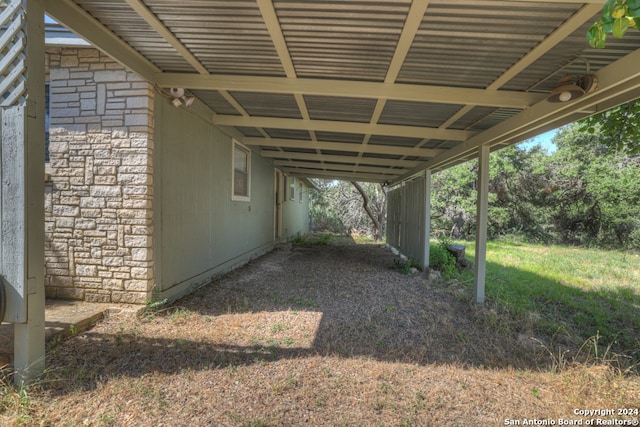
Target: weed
[277, 327]
[407, 266]
[289, 341]
[153, 307]
[303, 303]
[73, 330]
[14, 400]
[259, 422]
[180, 314]
[311, 240]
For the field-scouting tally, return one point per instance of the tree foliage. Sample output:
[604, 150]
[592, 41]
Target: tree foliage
[618, 128]
[349, 208]
[617, 17]
[584, 193]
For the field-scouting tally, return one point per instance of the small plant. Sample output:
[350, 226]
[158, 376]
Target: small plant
[440, 259]
[153, 307]
[405, 267]
[311, 240]
[14, 400]
[156, 305]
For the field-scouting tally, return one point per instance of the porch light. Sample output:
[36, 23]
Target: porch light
[179, 97]
[571, 87]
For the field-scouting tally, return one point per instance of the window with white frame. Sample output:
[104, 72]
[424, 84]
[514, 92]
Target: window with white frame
[292, 188]
[241, 182]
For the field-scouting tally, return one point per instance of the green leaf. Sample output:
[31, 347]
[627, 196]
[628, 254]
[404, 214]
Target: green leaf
[634, 12]
[607, 27]
[633, 4]
[608, 8]
[592, 34]
[637, 21]
[620, 27]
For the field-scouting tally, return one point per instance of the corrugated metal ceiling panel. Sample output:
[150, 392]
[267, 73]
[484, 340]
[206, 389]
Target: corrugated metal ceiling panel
[458, 43]
[118, 16]
[287, 133]
[394, 141]
[340, 137]
[268, 104]
[215, 101]
[416, 113]
[342, 40]
[337, 108]
[471, 43]
[228, 37]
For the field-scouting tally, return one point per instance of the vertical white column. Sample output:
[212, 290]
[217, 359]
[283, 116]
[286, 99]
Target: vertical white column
[427, 219]
[22, 178]
[481, 228]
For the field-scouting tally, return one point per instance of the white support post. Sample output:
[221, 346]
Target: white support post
[427, 219]
[481, 221]
[22, 179]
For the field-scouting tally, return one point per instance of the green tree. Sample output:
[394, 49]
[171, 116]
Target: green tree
[453, 196]
[617, 17]
[595, 195]
[618, 128]
[349, 207]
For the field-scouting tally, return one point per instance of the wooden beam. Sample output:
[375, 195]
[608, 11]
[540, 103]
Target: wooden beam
[352, 89]
[313, 173]
[344, 127]
[409, 30]
[375, 161]
[22, 236]
[338, 167]
[341, 146]
[82, 23]
[426, 226]
[482, 218]
[275, 31]
[150, 18]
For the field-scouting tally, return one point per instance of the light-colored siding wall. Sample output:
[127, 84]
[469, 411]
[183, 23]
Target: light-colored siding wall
[406, 218]
[200, 232]
[295, 213]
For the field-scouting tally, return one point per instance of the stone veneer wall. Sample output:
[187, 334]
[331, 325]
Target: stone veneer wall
[98, 198]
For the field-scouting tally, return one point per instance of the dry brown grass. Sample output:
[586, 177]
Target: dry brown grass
[323, 336]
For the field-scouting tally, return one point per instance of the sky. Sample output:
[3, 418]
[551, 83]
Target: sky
[543, 139]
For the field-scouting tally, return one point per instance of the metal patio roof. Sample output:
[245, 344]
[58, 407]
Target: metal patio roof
[363, 89]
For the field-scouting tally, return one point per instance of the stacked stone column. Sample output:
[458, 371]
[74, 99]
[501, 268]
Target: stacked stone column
[99, 194]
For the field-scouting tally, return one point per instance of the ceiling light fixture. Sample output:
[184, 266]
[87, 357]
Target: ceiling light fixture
[179, 97]
[571, 86]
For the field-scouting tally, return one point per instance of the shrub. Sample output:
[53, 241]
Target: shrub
[442, 260]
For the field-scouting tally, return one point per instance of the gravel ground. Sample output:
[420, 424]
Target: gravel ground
[321, 335]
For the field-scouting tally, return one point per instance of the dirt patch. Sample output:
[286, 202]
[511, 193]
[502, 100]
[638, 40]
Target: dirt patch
[321, 335]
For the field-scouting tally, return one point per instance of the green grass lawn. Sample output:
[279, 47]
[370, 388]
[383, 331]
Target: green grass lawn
[577, 292]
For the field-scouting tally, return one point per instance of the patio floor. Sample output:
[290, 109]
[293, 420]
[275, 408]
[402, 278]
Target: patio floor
[61, 318]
